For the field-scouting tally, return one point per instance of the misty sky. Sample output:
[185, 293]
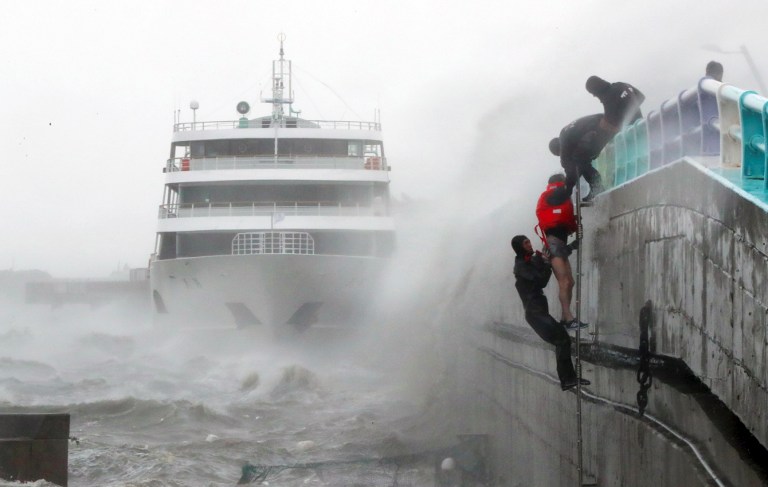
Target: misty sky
[469, 93]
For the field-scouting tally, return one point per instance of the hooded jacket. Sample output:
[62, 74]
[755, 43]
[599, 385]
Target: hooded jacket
[532, 274]
[621, 102]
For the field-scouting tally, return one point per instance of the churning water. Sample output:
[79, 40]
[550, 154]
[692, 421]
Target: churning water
[192, 408]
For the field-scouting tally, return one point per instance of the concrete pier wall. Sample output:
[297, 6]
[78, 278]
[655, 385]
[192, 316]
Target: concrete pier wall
[678, 237]
[699, 251]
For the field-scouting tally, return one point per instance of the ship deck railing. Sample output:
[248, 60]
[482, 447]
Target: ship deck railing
[289, 124]
[373, 163]
[276, 209]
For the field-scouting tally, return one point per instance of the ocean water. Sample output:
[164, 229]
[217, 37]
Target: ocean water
[155, 408]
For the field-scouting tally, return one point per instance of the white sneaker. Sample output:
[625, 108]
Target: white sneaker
[574, 324]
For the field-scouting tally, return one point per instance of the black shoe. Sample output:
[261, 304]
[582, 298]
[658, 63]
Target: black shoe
[570, 384]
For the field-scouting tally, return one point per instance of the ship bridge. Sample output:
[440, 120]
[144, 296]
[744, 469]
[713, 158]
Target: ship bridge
[327, 180]
[675, 265]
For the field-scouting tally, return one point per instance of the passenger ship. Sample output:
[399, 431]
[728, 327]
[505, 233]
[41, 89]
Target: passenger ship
[275, 221]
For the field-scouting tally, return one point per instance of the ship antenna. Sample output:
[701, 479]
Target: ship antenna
[281, 81]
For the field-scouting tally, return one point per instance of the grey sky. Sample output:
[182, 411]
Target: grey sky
[470, 92]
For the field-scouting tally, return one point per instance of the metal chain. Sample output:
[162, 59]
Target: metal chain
[644, 376]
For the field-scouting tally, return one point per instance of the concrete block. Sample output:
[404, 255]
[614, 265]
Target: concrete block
[34, 447]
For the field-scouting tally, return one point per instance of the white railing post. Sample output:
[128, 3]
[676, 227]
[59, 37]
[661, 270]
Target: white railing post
[730, 125]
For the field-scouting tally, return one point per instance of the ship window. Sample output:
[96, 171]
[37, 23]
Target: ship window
[354, 148]
[180, 150]
[215, 148]
[242, 148]
[202, 244]
[167, 246]
[262, 147]
[373, 149]
[198, 149]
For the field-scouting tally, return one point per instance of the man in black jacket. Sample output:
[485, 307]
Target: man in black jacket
[581, 141]
[532, 273]
[714, 70]
[621, 101]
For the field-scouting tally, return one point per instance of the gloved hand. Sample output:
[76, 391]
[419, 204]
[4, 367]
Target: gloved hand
[574, 245]
[539, 257]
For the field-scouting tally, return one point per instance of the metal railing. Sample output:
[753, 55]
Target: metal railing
[256, 243]
[274, 162]
[262, 123]
[277, 210]
[709, 119]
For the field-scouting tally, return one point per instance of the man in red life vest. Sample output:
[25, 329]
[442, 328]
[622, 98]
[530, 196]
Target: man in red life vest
[557, 220]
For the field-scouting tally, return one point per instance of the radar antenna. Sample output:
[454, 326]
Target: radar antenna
[282, 92]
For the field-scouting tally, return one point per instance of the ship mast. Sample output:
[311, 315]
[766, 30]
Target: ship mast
[282, 92]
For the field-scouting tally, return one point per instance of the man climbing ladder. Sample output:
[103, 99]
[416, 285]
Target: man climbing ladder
[532, 273]
[557, 221]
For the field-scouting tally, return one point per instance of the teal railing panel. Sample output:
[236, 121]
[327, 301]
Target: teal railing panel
[620, 156]
[752, 137]
[641, 145]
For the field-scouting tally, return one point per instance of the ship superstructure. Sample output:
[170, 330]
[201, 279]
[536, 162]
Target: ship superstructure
[272, 220]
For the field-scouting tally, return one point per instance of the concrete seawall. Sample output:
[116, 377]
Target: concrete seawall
[699, 251]
[695, 248]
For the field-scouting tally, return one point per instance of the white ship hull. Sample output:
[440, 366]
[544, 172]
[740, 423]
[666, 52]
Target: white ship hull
[274, 292]
[273, 222]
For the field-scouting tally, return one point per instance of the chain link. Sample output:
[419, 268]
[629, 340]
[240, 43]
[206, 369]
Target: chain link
[644, 376]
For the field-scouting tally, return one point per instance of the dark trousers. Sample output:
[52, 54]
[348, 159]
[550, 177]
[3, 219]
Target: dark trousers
[590, 174]
[551, 331]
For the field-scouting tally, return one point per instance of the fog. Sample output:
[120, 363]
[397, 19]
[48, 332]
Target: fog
[468, 93]
[469, 96]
